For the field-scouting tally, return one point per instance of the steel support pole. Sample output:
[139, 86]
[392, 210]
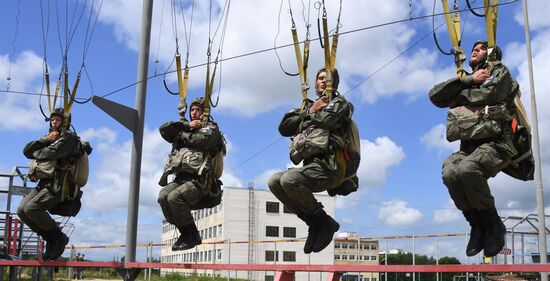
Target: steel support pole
[413, 259]
[536, 147]
[137, 145]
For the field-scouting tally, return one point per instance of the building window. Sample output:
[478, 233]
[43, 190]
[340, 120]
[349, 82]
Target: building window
[352, 257]
[337, 246]
[271, 256]
[289, 256]
[344, 246]
[367, 258]
[373, 247]
[373, 278]
[336, 257]
[352, 246]
[373, 258]
[344, 257]
[287, 210]
[220, 229]
[289, 232]
[272, 231]
[219, 254]
[269, 278]
[272, 207]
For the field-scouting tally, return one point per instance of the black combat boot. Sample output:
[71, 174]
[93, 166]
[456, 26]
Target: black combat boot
[477, 233]
[327, 227]
[192, 238]
[180, 239]
[47, 245]
[56, 241]
[496, 232]
[312, 232]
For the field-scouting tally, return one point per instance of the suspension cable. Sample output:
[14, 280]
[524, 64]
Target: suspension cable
[13, 44]
[271, 49]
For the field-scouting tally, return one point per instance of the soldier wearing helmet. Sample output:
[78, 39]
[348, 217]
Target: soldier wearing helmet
[51, 155]
[478, 116]
[193, 145]
[318, 123]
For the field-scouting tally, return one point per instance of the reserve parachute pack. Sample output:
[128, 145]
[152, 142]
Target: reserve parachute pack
[309, 143]
[476, 122]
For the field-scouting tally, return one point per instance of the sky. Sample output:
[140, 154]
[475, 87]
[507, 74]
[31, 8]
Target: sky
[402, 133]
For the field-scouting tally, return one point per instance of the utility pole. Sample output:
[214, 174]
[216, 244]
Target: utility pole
[133, 120]
[536, 147]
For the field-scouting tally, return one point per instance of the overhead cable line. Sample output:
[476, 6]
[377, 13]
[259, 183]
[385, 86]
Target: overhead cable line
[292, 44]
[13, 44]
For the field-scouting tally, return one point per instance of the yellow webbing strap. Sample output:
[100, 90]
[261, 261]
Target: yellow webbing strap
[208, 91]
[182, 82]
[453, 26]
[65, 90]
[333, 51]
[304, 81]
[491, 11]
[56, 93]
[301, 70]
[47, 79]
[522, 114]
[328, 88]
[73, 93]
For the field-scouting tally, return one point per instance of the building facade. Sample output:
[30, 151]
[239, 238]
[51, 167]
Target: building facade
[349, 249]
[248, 215]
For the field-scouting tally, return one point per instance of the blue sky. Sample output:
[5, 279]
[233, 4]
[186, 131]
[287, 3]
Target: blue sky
[403, 144]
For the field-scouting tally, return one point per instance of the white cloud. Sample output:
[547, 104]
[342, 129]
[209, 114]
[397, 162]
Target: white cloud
[257, 83]
[20, 112]
[435, 139]
[376, 159]
[396, 213]
[538, 15]
[107, 231]
[231, 180]
[449, 214]
[110, 180]
[261, 180]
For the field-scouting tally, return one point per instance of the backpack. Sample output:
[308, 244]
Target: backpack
[216, 162]
[81, 168]
[522, 166]
[352, 157]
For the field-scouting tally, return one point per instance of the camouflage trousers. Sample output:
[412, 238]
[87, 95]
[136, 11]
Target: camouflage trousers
[295, 187]
[466, 174]
[33, 210]
[178, 198]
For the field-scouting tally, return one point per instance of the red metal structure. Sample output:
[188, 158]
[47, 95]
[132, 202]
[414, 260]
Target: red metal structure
[286, 272]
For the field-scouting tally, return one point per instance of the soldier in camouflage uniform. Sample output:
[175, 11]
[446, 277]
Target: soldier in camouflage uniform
[322, 170]
[55, 150]
[479, 104]
[193, 142]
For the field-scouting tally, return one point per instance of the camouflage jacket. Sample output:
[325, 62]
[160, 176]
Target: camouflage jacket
[179, 134]
[190, 148]
[64, 149]
[334, 118]
[499, 88]
[50, 159]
